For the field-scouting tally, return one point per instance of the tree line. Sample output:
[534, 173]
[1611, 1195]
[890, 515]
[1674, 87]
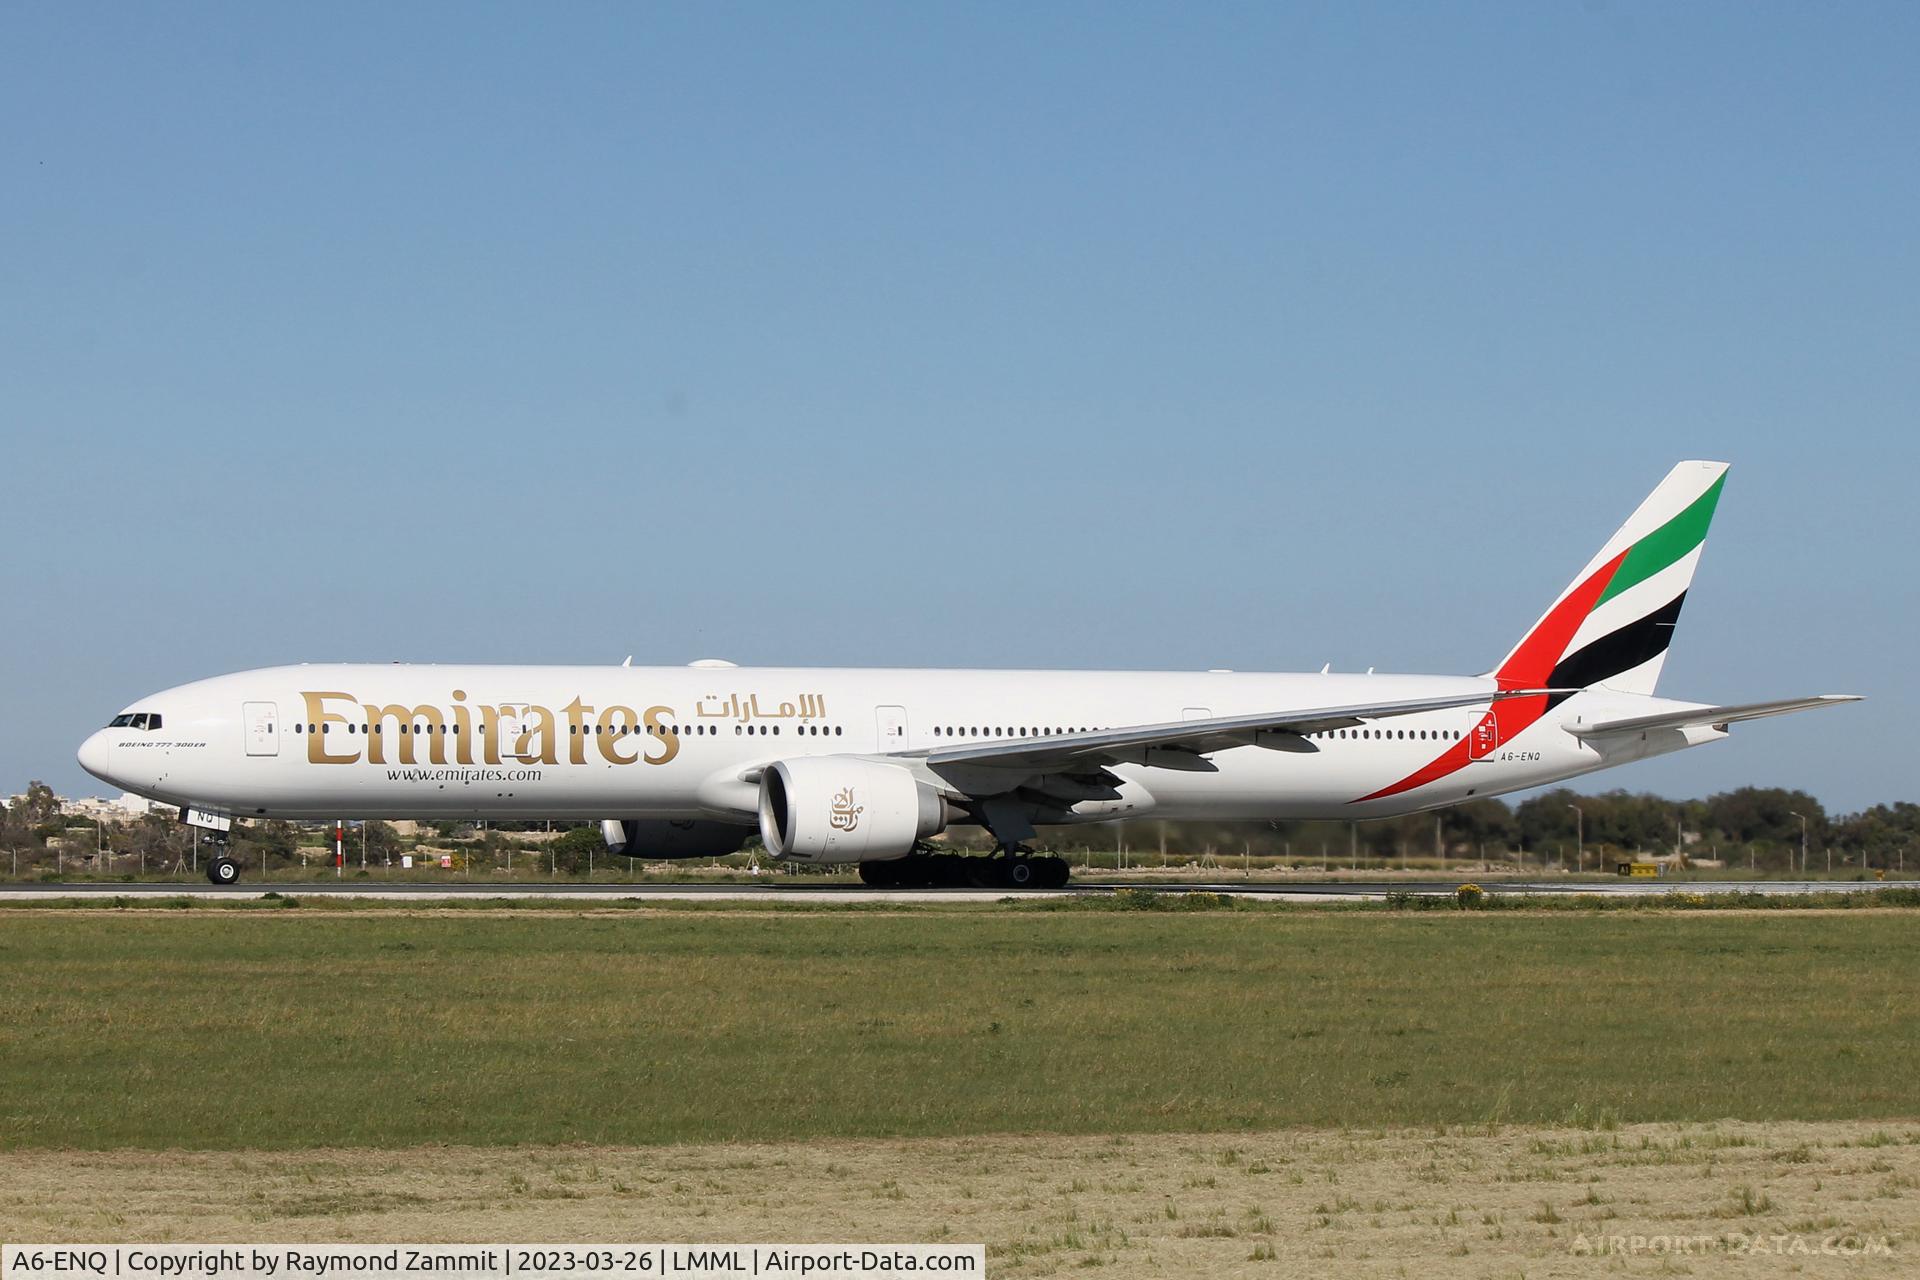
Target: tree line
[1762, 826]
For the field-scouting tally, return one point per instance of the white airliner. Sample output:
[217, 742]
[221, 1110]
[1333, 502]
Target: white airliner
[862, 766]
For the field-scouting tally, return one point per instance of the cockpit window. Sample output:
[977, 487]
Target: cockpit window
[136, 720]
[120, 722]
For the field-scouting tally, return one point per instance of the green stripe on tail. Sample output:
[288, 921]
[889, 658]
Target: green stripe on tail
[1666, 544]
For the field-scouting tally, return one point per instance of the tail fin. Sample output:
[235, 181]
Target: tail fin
[1613, 625]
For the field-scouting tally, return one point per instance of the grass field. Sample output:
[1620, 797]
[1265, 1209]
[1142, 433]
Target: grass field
[285, 1030]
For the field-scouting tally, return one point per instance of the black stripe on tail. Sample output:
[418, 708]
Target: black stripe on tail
[1618, 651]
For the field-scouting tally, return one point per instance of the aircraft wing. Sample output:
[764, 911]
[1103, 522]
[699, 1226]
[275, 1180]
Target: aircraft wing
[1183, 741]
[1718, 717]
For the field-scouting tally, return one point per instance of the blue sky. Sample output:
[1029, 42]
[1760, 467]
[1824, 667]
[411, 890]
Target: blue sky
[1002, 335]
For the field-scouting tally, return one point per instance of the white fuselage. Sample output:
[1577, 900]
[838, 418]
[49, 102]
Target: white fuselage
[518, 742]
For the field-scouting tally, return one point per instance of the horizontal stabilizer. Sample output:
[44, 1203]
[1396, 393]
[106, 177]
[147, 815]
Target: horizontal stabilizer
[1718, 717]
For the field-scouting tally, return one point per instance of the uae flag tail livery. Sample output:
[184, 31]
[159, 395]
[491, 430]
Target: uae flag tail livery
[1612, 624]
[1611, 627]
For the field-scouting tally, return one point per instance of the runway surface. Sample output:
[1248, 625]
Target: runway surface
[775, 891]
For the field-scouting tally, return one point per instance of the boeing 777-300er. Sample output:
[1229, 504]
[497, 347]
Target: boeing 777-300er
[863, 766]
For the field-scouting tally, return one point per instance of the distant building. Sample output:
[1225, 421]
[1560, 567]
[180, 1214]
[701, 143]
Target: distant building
[127, 807]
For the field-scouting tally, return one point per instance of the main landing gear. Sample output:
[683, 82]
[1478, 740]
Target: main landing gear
[1010, 869]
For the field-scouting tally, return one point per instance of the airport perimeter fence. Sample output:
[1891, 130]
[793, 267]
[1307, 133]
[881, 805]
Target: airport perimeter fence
[500, 860]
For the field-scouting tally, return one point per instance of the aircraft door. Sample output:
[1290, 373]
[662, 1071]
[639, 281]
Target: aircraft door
[512, 723]
[262, 724]
[1196, 713]
[891, 723]
[1483, 738]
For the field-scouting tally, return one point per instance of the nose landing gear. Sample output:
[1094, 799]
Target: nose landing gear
[218, 829]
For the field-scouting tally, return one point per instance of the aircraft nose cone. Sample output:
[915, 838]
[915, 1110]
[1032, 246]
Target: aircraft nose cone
[96, 755]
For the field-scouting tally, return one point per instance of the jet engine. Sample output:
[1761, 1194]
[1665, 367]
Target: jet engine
[658, 838]
[834, 809]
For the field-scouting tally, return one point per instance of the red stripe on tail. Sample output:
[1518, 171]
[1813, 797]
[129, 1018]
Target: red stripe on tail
[1529, 668]
[1532, 663]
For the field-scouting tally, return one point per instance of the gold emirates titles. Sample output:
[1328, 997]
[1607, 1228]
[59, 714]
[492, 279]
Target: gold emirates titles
[620, 734]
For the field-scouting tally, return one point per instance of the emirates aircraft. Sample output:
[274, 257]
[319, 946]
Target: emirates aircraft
[863, 766]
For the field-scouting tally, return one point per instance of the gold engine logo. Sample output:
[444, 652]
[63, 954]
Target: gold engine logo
[843, 814]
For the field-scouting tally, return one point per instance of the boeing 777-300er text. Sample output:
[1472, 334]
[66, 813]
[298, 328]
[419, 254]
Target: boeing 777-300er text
[863, 766]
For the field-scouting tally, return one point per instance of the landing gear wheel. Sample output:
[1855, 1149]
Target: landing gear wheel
[223, 870]
[883, 875]
[1054, 872]
[1023, 872]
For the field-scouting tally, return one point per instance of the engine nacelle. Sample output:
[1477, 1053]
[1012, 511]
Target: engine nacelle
[659, 838]
[833, 809]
